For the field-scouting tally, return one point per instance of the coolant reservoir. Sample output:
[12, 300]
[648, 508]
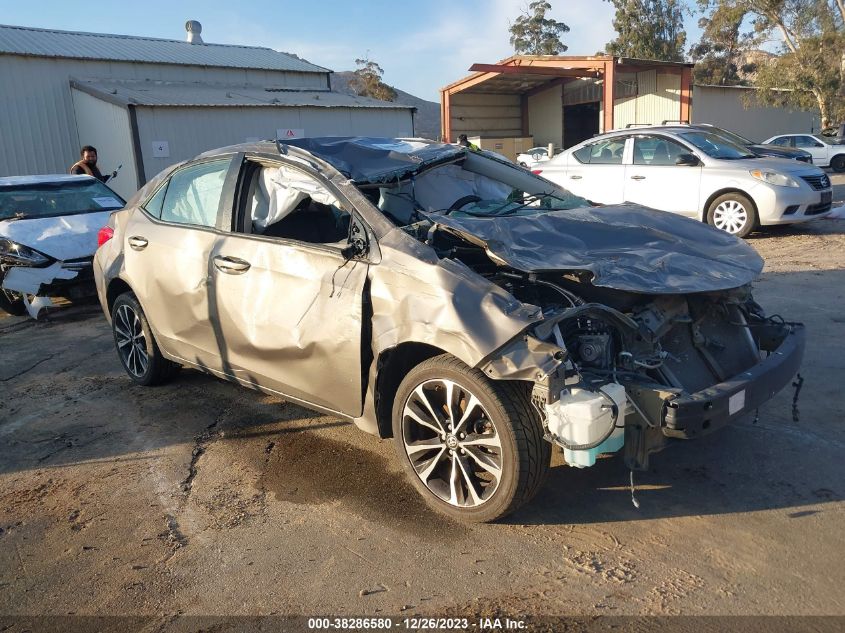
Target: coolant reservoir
[583, 417]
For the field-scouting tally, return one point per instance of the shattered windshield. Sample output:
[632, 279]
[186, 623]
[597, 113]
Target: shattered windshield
[40, 200]
[477, 186]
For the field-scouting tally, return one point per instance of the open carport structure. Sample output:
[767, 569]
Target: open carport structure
[562, 99]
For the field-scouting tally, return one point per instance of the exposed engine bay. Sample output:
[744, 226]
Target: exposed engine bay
[663, 349]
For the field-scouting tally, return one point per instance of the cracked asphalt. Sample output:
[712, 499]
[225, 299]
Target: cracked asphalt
[203, 498]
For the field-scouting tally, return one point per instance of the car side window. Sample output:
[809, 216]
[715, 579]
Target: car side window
[806, 141]
[288, 203]
[153, 205]
[607, 152]
[193, 194]
[657, 151]
[783, 141]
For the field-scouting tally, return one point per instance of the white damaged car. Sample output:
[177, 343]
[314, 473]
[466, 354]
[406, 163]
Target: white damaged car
[48, 235]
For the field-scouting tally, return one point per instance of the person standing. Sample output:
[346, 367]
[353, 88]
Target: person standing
[88, 165]
[463, 141]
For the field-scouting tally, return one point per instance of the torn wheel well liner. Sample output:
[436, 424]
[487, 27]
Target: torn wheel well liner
[392, 366]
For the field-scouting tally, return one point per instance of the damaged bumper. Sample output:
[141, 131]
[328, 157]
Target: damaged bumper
[72, 279]
[664, 414]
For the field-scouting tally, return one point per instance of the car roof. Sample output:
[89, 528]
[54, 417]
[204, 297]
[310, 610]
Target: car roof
[41, 179]
[363, 159]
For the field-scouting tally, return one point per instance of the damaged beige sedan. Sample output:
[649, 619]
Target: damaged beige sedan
[474, 312]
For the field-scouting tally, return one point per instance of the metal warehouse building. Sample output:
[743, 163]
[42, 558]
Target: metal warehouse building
[147, 103]
[542, 99]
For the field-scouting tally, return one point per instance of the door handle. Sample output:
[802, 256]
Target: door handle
[575, 177]
[231, 265]
[637, 177]
[138, 243]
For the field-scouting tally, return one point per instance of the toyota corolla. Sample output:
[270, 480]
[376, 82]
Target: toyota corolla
[472, 311]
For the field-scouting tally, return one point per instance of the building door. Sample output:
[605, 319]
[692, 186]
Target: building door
[580, 122]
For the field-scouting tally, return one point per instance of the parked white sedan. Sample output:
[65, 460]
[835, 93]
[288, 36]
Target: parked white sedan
[48, 235]
[826, 151]
[695, 173]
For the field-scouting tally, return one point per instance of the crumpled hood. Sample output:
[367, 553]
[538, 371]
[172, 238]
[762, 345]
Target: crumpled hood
[625, 247]
[63, 237]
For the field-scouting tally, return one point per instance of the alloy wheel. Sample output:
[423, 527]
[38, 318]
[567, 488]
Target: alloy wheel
[452, 443]
[131, 341]
[730, 216]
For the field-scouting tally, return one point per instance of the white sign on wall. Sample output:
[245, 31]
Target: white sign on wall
[288, 133]
[161, 149]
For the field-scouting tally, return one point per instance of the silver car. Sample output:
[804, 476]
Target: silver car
[695, 173]
[449, 299]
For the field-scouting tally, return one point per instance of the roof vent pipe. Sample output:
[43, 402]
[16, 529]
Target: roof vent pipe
[194, 30]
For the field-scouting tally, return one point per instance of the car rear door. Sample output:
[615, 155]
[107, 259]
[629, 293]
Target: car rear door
[290, 306]
[596, 171]
[654, 180]
[166, 259]
[820, 151]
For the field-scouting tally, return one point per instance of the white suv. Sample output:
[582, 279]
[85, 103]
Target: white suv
[695, 173]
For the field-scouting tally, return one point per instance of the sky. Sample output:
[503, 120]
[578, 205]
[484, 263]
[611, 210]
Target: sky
[422, 46]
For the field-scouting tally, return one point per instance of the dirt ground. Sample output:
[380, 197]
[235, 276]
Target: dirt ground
[202, 498]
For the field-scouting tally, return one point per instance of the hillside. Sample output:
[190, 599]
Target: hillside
[426, 119]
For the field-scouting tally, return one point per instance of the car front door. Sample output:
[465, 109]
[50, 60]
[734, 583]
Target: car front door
[166, 259]
[288, 292]
[820, 151]
[596, 171]
[653, 179]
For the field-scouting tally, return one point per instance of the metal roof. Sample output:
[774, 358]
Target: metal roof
[183, 94]
[23, 40]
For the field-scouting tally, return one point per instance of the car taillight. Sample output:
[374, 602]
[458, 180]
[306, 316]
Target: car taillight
[104, 235]
[537, 171]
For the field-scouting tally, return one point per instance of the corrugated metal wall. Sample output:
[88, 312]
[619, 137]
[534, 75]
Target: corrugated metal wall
[491, 115]
[725, 107]
[658, 100]
[190, 131]
[545, 116]
[106, 126]
[37, 126]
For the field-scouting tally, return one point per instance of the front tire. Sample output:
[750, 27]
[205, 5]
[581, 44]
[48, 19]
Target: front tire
[733, 213]
[837, 163]
[136, 347]
[472, 447]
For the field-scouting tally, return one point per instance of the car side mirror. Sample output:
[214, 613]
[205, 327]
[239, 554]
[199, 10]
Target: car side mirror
[687, 160]
[357, 246]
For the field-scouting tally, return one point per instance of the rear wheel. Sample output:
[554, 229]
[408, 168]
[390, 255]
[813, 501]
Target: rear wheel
[734, 213]
[837, 163]
[136, 348]
[472, 447]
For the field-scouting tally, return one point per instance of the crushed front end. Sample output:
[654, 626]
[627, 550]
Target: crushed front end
[637, 371]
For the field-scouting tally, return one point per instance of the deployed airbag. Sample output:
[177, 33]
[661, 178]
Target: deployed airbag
[280, 190]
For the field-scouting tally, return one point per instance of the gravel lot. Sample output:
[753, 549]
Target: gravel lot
[203, 498]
